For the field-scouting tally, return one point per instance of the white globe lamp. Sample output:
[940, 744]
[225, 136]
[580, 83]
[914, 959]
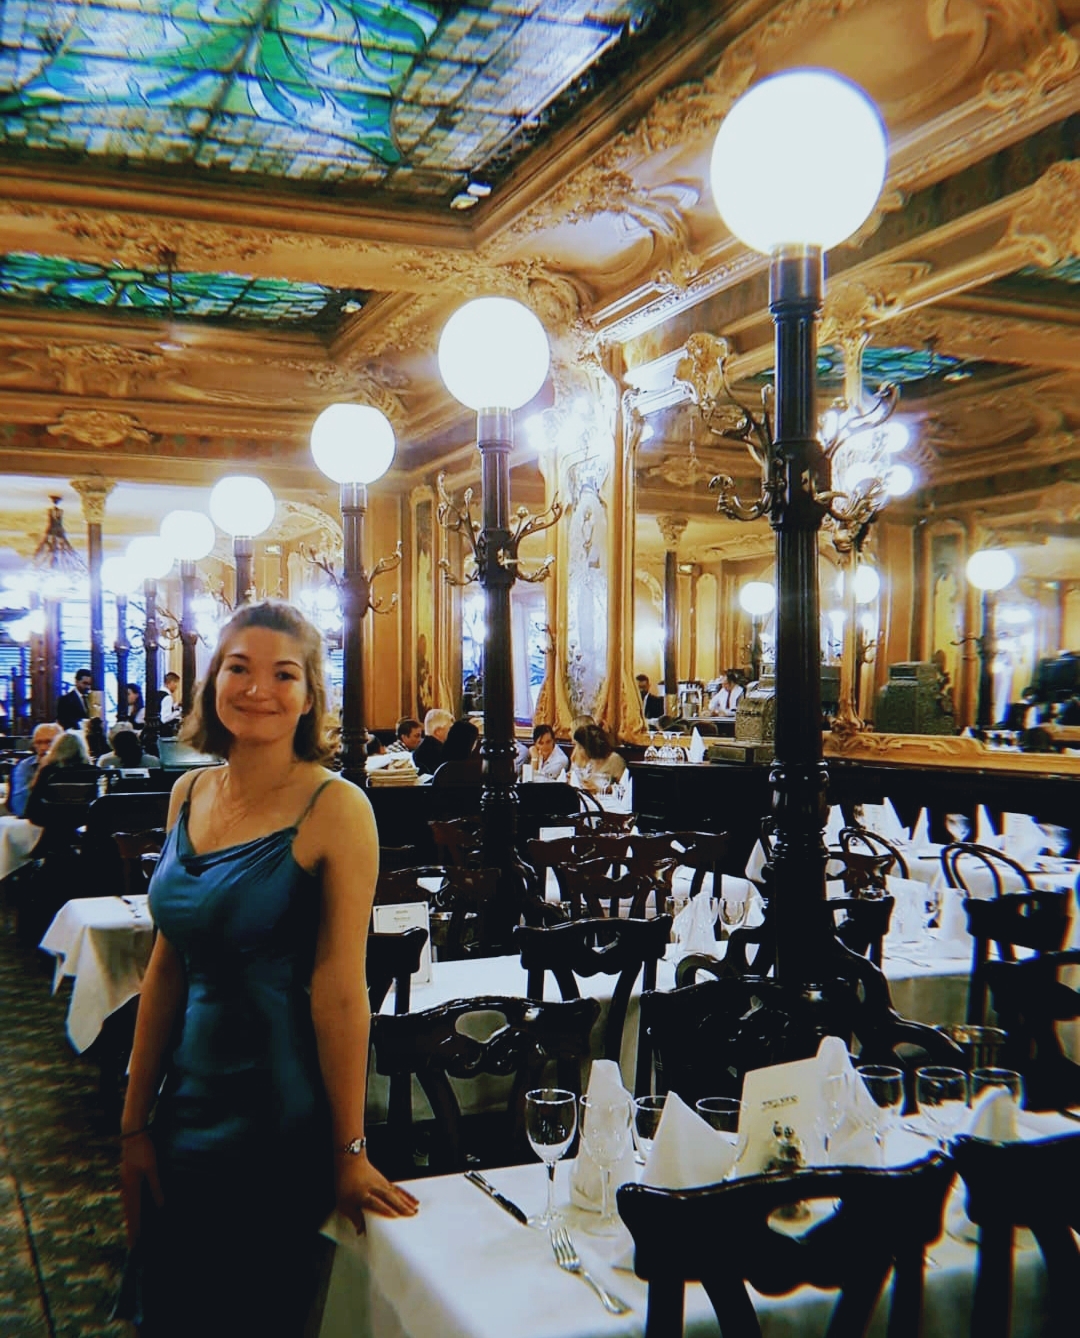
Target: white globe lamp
[352, 443]
[119, 576]
[991, 569]
[493, 354]
[242, 505]
[188, 535]
[773, 166]
[149, 557]
[758, 598]
[867, 584]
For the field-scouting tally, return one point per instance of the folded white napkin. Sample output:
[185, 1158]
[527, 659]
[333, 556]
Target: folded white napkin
[696, 751]
[1023, 838]
[994, 1116]
[984, 830]
[953, 936]
[687, 1151]
[920, 833]
[909, 913]
[852, 1142]
[756, 863]
[586, 1180]
[693, 927]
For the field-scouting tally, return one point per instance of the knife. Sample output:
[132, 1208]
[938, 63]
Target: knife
[508, 1205]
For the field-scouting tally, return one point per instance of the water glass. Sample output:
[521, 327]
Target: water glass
[605, 1131]
[886, 1086]
[733, 911]
[984, 1079]
[942, 1097]
[550, 1124]
[647, 1112]
[721, 1112]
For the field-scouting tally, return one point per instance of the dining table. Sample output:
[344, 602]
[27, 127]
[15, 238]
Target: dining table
[431, 1276]
[102, 944]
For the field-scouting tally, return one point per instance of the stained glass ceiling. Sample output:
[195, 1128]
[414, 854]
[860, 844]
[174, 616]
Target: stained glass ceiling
[419, 97]
[71, 285]
[901, 366]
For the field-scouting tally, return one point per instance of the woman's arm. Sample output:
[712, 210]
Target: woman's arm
[348, 845]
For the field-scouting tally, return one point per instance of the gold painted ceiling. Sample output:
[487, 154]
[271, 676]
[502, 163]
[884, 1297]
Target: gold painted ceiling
[128, 191]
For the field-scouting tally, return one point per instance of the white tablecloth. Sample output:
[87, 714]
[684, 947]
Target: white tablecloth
[463, 1268]
[104, 943]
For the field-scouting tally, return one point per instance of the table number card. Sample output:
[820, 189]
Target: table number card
[409, 915]
[784, 1094]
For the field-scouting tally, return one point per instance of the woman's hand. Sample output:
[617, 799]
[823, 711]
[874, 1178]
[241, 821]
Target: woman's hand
[361, 1188]
[138, 1164]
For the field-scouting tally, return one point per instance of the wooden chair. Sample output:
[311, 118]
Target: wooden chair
[872, 843]
[592, 893]
[461, 905]
[1022, 1184]
[704, 852]
[458, 841]
[864, 924]
[396, 887]
[132, 847]
[861, 872]
[557, 855]
[392, 858]
[391, 960]
[705, 1037]
[720, 1236]
[1037, 920]
[437, 1048]
[627, 948]
[961, 859]
[1029, 1000]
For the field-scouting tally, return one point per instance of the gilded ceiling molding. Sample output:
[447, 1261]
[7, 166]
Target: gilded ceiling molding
[93, 493]
[854, 304]
[301, 520]
[1019, 91]
[672, 529]
[1046, 225]
[141, 242]
[99, 428]
[102, 368]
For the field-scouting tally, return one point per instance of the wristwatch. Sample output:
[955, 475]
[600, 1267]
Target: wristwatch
[355, 1147]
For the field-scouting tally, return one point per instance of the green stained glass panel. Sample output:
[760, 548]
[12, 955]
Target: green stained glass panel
[324, 91]
[901, 366]
[1065, 271]
[71, 285]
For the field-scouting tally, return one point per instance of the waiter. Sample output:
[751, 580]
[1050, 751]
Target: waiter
[74, 706]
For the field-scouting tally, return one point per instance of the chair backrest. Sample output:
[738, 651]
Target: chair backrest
[391, 960]
[436, 1046]
[132, 847]
[703, 852]
[626, 948]
[398, 857]
[1029, 1184]
[591, 892]
[1030, 1000]
[458, 840]
[396, 887]
[864, 924]
[1037, 920]
[858, 839]
[860, 871]
[464, 771]
[963, 861]
[599, 821]
[721, 1237]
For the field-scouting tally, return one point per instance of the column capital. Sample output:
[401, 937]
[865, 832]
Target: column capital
[671, 530]
[93, 492]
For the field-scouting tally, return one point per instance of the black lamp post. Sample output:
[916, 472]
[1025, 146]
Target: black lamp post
[772, 189]
[189, 536]
[353, 444]
[150, 556]
[988, 570]
[243, 506]
[494, 357]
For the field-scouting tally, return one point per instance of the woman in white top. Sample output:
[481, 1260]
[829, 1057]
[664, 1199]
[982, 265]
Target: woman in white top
[547, 760]
[603, 767]
[725, 701]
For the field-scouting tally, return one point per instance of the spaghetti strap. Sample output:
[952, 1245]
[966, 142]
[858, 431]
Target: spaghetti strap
[191, 787]
[311, 802]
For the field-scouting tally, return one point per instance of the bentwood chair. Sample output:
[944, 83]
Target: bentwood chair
[627, 948]
[526, 1040]
[1022, 1184]
[980, 871]
[1036, 920]
[721, 1237]
[862, 840]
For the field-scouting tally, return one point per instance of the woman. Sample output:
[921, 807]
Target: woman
[254, 1005]
[126, 751]
[602, 767]
[136, 708]
[67, 750]
[461, 742]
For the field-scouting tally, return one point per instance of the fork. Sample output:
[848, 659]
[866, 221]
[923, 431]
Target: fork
[568, 1259]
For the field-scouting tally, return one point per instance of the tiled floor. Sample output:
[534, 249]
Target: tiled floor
[61, 1229]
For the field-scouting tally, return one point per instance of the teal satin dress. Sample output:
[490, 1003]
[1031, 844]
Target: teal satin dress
[242, 1126]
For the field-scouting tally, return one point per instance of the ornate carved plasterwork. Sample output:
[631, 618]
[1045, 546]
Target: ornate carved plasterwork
[141, 243]
[300, 520]
[1019, 90]
[93, 492]
[853, 305]
[99, 428]
[1047, 224]
[671, 530]
[101, 369]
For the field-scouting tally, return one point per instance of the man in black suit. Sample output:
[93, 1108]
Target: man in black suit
[651, 704]
[74, 706]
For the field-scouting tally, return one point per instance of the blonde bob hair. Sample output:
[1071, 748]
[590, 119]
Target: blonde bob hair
[312, 741]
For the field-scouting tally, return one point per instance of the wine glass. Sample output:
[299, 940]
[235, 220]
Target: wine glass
[984, 1079]
[721, 1112]
[605, 1129]
[733, 911]
[647, 1113]
[835, 1100]
[942, 1097]
[886, 1086]
[550, 1124]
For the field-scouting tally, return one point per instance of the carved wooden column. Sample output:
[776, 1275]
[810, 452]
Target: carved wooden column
[922, 593]
[671, 531]
[971, 630]
[93, 493]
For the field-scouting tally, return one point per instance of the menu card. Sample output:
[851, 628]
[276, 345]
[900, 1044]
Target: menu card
[409, 915]
[788, 1095]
